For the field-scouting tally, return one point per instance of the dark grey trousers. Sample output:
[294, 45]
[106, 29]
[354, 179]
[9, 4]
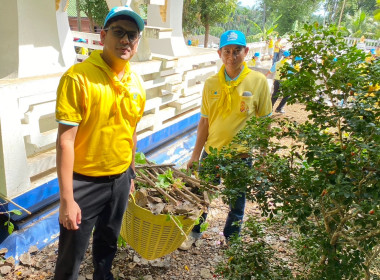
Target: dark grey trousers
[103, 201]
[276, 88]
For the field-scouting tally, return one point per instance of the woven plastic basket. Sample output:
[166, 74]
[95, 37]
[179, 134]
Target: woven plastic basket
[152, 236]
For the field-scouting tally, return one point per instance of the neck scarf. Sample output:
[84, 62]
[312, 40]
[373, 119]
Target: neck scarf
[224, 103]
[121, 86]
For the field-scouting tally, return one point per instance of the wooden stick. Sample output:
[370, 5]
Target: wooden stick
[172, 193]
[188, 193]
[151, 175]
[193, 181]
[161, 191]
[15, 204]
[186, 176]
[191, 194]
[162, 171]
[154, 165]
[154, 171]
[141, 180]
[188, 198]
[206, 198]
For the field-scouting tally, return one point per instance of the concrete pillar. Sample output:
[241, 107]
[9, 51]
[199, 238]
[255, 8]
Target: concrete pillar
[14, 172]
[36, 38]
[168, 16]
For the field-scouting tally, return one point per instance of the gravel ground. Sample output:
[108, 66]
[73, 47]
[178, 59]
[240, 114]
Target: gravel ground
[197, 263]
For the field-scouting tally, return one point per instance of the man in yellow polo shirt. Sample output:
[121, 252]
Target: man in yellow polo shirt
[277, 48]
[255, 61]
[276, 68]
[270, 48]
[229, 99]
[99, 103]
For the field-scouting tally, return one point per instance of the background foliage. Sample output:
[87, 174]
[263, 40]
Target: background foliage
[291, 16]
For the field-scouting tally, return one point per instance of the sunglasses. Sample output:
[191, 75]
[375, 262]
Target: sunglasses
[119, 32]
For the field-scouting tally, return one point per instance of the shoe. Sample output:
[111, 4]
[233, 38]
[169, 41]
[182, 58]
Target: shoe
[186, 245]
[280, 111]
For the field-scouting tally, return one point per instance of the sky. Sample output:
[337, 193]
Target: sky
[250, 3]
[247, 3]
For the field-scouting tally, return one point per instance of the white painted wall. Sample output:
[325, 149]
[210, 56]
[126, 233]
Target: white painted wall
[175, 45]
[38, 40]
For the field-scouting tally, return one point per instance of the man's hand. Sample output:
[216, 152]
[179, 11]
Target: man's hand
[132, 189]
[190, 165]
[70, 215]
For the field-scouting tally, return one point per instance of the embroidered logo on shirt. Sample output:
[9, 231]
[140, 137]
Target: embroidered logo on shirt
[244, 107]
[215, 95]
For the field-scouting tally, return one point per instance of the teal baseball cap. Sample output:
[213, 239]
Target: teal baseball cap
[257, 54]
[286, 53]
[125, 11]
[232, 37]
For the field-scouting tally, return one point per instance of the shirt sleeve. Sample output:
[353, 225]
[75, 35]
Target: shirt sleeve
[143, 98]
[264, 106]
[70, 103]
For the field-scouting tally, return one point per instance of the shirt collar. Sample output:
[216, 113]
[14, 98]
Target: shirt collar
[228, 78]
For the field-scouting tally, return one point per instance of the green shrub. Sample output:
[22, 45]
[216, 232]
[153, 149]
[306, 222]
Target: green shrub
[250, 257]
[327, 182]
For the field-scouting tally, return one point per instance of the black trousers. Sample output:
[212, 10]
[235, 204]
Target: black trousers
[276, 87]
[103, 201]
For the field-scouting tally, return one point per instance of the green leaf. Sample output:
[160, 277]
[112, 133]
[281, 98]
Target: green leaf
[204, 227]
[16, 212]
[11, 227]
[140, 158]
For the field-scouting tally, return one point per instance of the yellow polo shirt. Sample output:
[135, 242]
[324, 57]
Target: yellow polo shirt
[252, 62]
[278, 67]
[277, 46]
[270, 45]
[106, 111]
[222, 130]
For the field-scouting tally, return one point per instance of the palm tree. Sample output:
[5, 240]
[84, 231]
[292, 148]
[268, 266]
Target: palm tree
[268, 28]
[355, 25]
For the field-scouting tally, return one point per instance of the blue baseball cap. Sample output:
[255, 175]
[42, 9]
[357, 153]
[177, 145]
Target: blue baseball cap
[232, 37]
[257, 54]
[373, 51]
[286, 54]
[297, 58]
[125, 11]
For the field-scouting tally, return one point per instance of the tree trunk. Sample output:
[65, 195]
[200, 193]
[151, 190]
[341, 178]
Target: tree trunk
[91, 21]
[79, 18]
[207, 31]
[92, 29]
[341, 13]
[264, 16]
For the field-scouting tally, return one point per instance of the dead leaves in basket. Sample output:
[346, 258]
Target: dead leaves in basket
[150, 200]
